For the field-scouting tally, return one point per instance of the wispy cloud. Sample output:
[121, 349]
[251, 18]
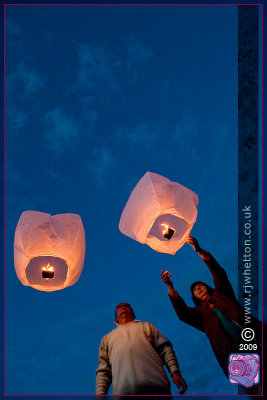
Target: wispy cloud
[21, 86]
[23, 82]
[101, 164]
[96, 67]
[61, 131]
[143, 134]
[184, 127]
[137, 51]
[99, 68]
[137, 54]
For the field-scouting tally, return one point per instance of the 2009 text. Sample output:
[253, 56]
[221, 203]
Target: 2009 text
[248, 346]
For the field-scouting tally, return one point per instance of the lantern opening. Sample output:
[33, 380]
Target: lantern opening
[47, 272]
[167, 232]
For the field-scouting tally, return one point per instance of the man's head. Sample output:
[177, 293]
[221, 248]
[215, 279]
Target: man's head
[124, 314]
[200, 292]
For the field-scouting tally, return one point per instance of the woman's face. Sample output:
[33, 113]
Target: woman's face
[200, 291]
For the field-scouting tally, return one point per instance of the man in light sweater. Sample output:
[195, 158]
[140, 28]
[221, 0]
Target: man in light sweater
[131, 358]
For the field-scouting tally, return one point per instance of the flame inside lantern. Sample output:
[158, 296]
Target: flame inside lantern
[48, 272]
[167, 232]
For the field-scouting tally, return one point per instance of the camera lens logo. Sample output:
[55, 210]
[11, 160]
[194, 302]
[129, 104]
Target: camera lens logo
[244, 369]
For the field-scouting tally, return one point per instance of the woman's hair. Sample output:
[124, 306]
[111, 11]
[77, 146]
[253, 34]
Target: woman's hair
[194, 298]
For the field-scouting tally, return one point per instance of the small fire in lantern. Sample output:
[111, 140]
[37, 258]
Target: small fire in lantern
[168, 232]
[48, 272]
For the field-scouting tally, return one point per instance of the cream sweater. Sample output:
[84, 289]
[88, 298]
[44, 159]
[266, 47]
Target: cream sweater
[131, 357]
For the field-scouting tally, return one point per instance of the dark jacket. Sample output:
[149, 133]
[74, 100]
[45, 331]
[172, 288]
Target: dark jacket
[204, 319]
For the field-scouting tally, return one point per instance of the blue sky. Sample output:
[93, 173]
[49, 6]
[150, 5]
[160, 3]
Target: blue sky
[96, 96]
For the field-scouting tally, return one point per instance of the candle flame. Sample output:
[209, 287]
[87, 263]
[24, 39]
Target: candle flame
[167, 232]
[166, 228]
[48, 268]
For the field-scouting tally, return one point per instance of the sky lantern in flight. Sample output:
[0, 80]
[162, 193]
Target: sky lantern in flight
[159, 213]
[49, 250]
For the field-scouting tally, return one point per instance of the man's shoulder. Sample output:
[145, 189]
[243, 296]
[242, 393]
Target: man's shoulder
[149, 327]
[106, 337]
[144, 324]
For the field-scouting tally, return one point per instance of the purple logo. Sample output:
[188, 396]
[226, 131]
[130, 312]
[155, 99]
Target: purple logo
[244, 369]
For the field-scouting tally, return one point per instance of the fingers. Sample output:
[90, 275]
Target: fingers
[165, 273]
[191, 240]
[194, 243]
[165, 276]
[180, 382]
[184, 389]
[183, 384]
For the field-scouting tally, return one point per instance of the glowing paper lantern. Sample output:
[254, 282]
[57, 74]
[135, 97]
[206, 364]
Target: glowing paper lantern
[49, 250]
[159, 213]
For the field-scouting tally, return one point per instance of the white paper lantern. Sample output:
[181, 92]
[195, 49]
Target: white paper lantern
[159, 213]
[49, 250]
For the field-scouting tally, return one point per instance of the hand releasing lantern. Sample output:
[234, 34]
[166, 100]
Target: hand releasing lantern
[49, 250]
[159, 213]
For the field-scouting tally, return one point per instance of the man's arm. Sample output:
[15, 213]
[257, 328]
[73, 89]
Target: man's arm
[220, 278]
[103, 372]
[165, 350]
[190, 315]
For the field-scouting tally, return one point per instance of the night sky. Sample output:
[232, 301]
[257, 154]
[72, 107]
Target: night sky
[96, 96]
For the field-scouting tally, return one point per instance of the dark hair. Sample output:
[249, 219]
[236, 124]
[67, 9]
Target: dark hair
[194, 298]
[127, 304]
